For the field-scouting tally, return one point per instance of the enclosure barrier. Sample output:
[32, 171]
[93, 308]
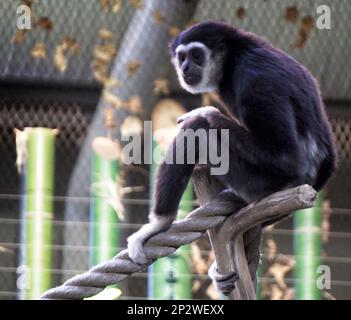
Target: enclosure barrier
[208, 216]
[38, 210]
[104, 230]
[308, 248]
[170, 277]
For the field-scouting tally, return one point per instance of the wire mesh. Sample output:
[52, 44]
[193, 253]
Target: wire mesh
[26, 100]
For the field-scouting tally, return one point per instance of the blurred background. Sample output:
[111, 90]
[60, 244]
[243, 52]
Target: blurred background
[95, 68]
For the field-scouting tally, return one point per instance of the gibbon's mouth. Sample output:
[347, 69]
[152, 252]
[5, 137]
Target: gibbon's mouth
[191, 79]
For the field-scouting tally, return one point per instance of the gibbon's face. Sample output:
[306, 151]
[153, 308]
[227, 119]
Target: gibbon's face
[197, 70]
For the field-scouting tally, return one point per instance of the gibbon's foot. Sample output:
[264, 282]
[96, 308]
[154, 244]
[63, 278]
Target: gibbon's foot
[224, 283]
[135, 249]
[136, 240]
[199, 112]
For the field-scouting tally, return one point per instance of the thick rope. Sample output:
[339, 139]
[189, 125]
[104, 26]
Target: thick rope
[180, 233]
[110, 272]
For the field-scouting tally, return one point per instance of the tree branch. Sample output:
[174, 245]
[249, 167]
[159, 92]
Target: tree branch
[227, 238]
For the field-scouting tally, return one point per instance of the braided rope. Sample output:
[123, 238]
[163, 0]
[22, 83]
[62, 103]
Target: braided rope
[180, 233]
[115, 270]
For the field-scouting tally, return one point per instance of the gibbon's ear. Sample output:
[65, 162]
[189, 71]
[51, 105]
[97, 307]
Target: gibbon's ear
[170, 49]
[172, 46]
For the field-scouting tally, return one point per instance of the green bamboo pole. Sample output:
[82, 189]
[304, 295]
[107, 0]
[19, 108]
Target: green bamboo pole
[104, 232]
[170, 277]
[259, 284]
[38, 215]
[308, 246]
[104, 219]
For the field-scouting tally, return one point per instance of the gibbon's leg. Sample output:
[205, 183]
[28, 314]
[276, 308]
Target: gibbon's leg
[172, 179]
[225, 283]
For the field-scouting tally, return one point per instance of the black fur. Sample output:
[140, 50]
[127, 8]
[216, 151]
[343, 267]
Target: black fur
[283, 138]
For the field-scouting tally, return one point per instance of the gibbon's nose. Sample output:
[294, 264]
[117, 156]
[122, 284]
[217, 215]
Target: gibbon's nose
[185, 68]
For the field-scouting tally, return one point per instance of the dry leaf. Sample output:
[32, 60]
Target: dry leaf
[44, 23]
[68, 42]
[60, 56]
[28, 3]
[200, 265]
[301, 39]
[99, 65]
[113, 100]
[196, 285]
[60, 59]
[111, 49]
[137, 4]
[276, 293]
[307, 24]
[105, 53]
[19, 36]
[109, 118]
[133, 67]
[105, 5]
[105, 34]
[161, 86]
[289, 294]
[71, 45]
[111, 82]
[131, 125]
[100, 75]
[174, 31]
[240, 13]
[190, 23]
[212, 292]
[103, 56]
[291, 14]
[271, 248]
[279, 272]
[117, 6]
[159, 18]
[74, 49]
[134, 104]
[39, 50]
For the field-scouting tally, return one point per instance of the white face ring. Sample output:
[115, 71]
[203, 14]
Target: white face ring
[207, 84]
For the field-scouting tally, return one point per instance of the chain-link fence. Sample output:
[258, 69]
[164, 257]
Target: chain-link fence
[43, 86]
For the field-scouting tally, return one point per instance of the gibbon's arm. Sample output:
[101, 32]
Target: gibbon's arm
[267, 138]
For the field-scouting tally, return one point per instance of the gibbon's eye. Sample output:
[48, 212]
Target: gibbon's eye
[197, 55]
[181, 57]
